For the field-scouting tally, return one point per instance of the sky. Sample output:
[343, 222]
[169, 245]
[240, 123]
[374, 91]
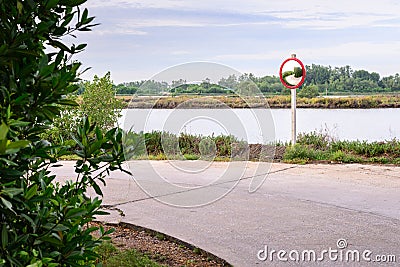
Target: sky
[138, 39]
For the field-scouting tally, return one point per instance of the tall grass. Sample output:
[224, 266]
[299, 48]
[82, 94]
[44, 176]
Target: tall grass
[320, 146]
[313, 146]
[163, 145]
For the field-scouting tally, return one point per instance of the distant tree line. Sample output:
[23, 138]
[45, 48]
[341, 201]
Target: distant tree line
[322, 80]
[345, 79]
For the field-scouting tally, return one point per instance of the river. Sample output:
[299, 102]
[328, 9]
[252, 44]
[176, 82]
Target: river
[263, 126]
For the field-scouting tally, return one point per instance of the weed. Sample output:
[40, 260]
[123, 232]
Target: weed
[314, 139]
[130, 258]
[160, 236]
[106, 250]
[196, 250]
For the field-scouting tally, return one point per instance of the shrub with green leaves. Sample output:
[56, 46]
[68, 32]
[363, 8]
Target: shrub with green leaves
[99, 102]
[43, 220]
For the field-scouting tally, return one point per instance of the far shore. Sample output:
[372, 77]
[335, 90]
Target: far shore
[221, 101]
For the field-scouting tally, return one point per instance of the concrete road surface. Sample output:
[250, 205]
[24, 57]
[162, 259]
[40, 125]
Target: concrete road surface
[338, 212]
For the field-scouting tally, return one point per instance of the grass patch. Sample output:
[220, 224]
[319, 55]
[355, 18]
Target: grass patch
[320, 147]
[110, 256]
[302, 154]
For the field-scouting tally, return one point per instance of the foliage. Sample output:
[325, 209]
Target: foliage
[42, 219]
[320, 146]
[346, 80]
[313, 146]
[298, 72]
[202, 89]
[110, 256]
[127, 88]
[316, 140]
[130, 258]
[309, 91]
[306, 153]
[99, 102]
[105, 250]
[159, 143]
[69, 118]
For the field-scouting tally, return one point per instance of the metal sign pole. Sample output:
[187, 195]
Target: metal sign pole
[293, 116]
[284, 73]
[293, 105]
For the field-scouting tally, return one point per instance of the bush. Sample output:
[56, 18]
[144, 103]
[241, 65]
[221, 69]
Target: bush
[315, 140]
[99, 102]
[43, 221]
[299, 152]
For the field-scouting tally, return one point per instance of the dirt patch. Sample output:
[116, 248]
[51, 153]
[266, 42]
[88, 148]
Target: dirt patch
[159, 247]
[265, 152]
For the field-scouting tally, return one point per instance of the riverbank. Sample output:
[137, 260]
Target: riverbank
[314, 147]
[185, 101]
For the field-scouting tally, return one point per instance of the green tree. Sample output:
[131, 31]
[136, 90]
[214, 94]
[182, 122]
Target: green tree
[309, 91]
[64, 124]
[229, 82]
[42, 222]
[99, 102]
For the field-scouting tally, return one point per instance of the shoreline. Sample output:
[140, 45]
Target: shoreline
[275, 102]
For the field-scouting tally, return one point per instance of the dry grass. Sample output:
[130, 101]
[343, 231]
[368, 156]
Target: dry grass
[360, 102]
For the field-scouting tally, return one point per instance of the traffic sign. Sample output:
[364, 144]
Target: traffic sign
[292, 73]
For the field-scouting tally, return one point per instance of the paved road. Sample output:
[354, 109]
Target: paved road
[298, 208]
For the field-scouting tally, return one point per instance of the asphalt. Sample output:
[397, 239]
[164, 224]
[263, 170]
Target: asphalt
[297, 209]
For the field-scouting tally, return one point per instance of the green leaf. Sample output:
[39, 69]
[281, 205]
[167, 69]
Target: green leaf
[17, 123]
[11, 192]
[31, 192]
[72, 3]
[97, 189]
[52, 240]
[9, 162]
[29, 219]
[99, 212]
[7, 203]
[51, 3]
[20, 7]
[3, 131]
[81, 46]
[68, 102]
[4, 236]
[75, 212]
[84, 15]
[60, 227]
[18, 144]
[60, 45]
[36, 264]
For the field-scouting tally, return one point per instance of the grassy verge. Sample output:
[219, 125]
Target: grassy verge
[310, 147]
[320, 147]
[110, 256]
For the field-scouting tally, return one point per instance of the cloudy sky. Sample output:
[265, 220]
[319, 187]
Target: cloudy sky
[138, 39]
